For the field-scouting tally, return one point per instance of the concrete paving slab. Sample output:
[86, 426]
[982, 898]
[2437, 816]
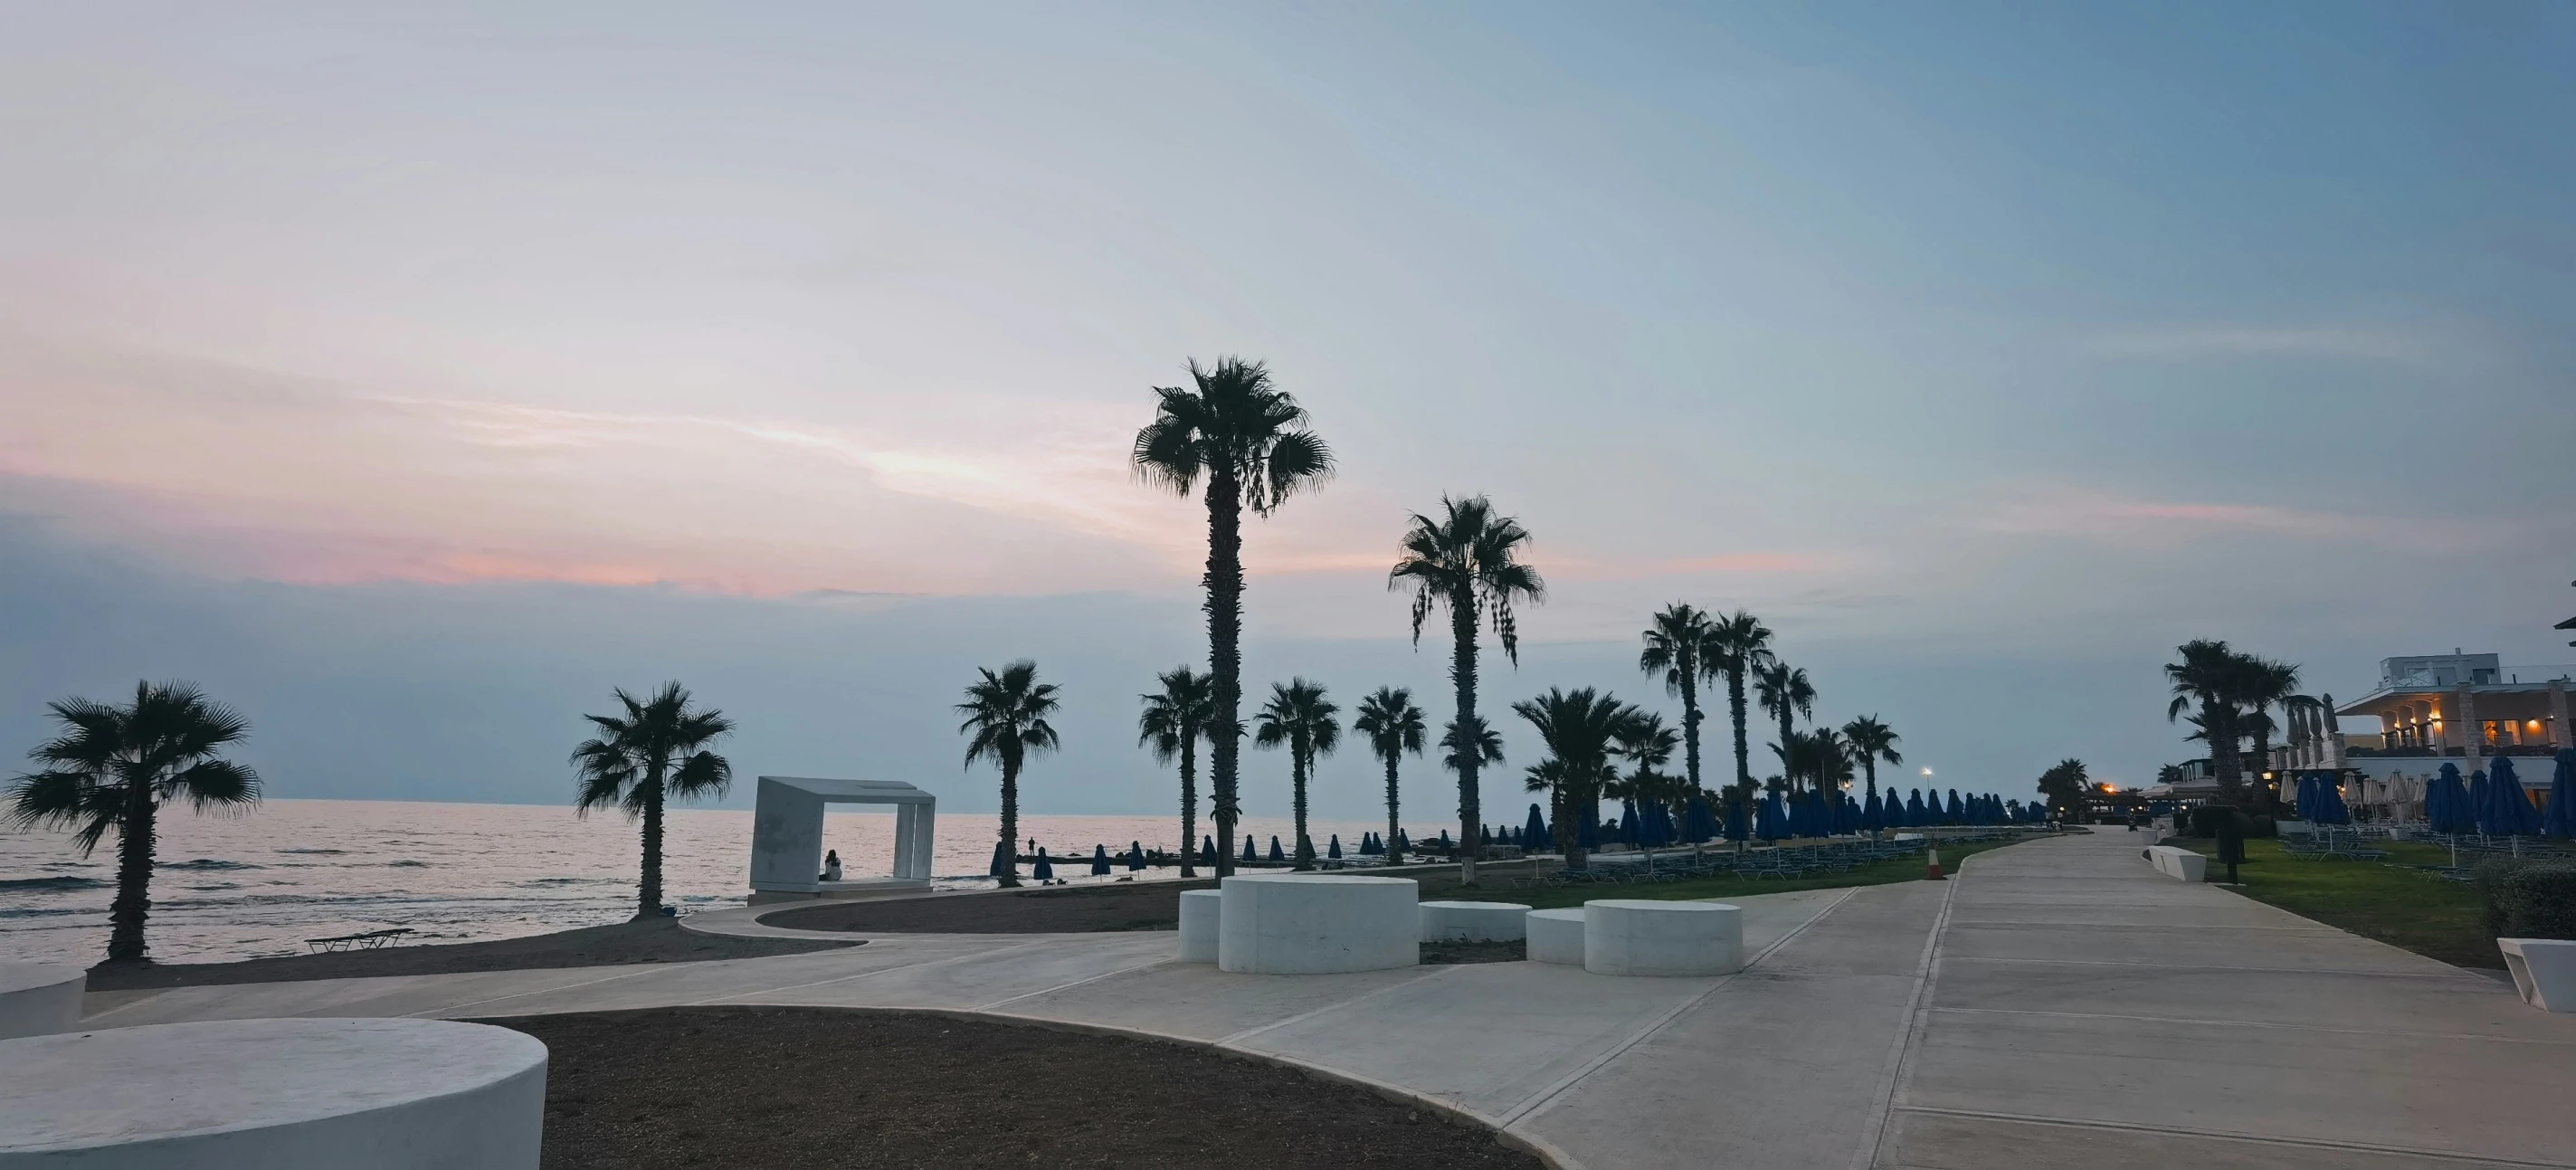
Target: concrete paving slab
[986, 978]
[2466, 1004]
[2186, 946]
[1932, 1141]
[1199, 1002]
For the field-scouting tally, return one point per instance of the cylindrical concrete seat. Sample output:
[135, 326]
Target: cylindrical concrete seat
[1309, 924]
[1201, 911]
[1473, 921]
[275, 1095]
[1623, 936]
[1555, 936]
[38, 999]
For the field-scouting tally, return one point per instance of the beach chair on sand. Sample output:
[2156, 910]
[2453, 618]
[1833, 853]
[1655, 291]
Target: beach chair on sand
[364, 941]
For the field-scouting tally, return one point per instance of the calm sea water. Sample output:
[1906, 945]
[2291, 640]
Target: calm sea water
[248, 886]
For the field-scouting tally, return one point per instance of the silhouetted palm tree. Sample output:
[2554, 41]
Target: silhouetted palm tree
[1393, 726]
[1872, 741]
[1645, 742]
[1246, 441]
[110, 769]
[1784, 690]
[2209, 677]
[1006, 722]
[654, 752]
[1738, 645]
[1579, 728]
[1300, 718]
[1468, 561]
[1173, 721]
[1678, 644]
[2262, 683]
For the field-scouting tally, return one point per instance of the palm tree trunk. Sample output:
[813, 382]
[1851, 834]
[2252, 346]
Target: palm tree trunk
[648, 892]
[1690, 719]
[1189, 803]
[1011, 820]
[1225, 651]
[1569, 834]
[134, 846]
[1391, 827]
[1743, 756]
[1297, 756]
[1869, 767]
[1462, 673]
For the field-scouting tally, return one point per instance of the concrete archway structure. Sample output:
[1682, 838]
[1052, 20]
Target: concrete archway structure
[787, 836]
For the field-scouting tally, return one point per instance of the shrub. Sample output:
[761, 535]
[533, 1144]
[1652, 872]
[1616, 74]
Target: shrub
[2527, 899]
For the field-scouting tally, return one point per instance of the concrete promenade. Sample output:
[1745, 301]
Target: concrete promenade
[2060, 1003]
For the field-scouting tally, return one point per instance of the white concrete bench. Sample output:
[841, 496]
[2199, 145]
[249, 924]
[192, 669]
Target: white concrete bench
[2544, 971]
[1474, 921]
[2182, 864]
[39, 999]
[1554, 936]
[1624, 936]
[1201, 911]
[277, 1094]
[1311, 924]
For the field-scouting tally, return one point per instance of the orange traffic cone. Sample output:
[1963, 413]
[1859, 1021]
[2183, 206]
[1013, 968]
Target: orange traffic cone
[1932, 873]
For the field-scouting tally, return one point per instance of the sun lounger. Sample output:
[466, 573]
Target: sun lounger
[366, 941]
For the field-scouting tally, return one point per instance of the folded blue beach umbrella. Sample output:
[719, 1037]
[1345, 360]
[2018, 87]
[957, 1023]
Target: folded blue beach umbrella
[2559, 819]
[1403, 841]
[1872, 817]
[1276, 853]
[1099, 860]
[2476, 814]
[2305, 802]
[1135, 856]
[1045, 870]
[1914, 808]
[2509, 810]
[2456, 804]
[1739, 820]
[1703, 822]
[1820, 820]
[1207, 849]
[1335, 849]
[1535, 830]
[1003, 861]
[1851, 814]
[1770, 825]
[1250, 852]
[2330, 806]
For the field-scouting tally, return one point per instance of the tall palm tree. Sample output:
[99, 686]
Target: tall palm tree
[2063, 785]
[2209, 677]
[1006, 722]
[1645, 742]
[1872, 741]
[1738, 645]
[655, 751]
[2261, 684]
[1579, 729]
[1173, 721]
[1244, 440]
[1468, 560]
[1784, 690]
[1393, 726]
[1299, 718]
[1480, 741]
[1678, 641]
[111, 768]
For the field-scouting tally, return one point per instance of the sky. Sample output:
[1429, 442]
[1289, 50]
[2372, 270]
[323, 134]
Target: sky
[410, 378]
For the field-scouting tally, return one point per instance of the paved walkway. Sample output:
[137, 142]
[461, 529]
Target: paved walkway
[2059, 1003]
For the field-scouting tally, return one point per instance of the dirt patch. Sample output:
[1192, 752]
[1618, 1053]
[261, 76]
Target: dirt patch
[1112, 906]
[653, 940]
[798, 1088]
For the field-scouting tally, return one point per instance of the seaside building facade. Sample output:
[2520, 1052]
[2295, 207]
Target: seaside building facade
[2457, 708]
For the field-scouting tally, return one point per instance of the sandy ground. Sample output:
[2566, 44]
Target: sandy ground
[793, 1088]
[659, 940]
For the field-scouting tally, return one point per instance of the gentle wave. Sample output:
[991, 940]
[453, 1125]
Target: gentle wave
[51, 885]
[205, 863]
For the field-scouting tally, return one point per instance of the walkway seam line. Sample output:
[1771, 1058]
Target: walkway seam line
[1230, 1041]
[2444, 976]
[1076, 983]
[1535, 1102]
[1899, 1066]
[730, 996]
[2235, 1136]
[458, 1007]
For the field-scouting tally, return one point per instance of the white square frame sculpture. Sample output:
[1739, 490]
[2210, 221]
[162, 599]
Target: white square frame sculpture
[787, 833]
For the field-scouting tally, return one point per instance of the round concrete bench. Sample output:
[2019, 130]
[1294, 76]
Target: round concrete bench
[1636, 937]
[1474, 921]
[1310, 924]
[38, 999]
[1201, 911]
[1555, 936]
[275, 1095]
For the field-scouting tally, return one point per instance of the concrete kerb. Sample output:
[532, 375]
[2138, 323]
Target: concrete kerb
[1446, 1111]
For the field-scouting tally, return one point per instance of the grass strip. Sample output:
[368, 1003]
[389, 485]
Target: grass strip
[2384, 900]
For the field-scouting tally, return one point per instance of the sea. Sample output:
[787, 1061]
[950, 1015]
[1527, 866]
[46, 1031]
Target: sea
[261, 883]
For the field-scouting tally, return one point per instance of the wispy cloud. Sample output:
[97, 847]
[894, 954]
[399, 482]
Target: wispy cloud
[2060, 511]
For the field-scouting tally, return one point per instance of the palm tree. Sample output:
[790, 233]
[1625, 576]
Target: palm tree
[1393, 726]
[111, 768]
[1300, 718]
[1872, 741]
[1645, 742]
[1784, 690]
[1579, 728]
[1468, 560]
[2262, 683]
[654, 752]
[1677, 644]
[1480, 737]
[1171, 725]
[1247, 440]
[2209, 678]
[1006, 721]
[2063, 785]
[1739, 644]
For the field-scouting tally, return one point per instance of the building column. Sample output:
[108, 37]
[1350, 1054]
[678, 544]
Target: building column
[2464, 721]
[2333, 733]
[905, 817]
[2558, 736]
